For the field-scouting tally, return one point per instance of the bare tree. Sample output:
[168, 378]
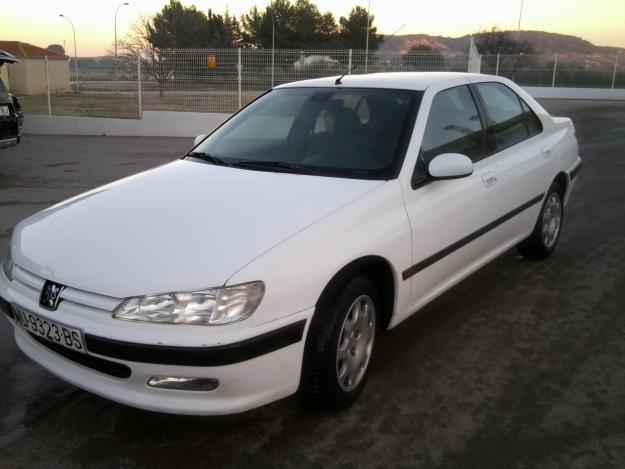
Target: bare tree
[138, 44]
[497, 41]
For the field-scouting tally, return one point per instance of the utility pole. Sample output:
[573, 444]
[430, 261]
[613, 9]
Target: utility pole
[367, 40]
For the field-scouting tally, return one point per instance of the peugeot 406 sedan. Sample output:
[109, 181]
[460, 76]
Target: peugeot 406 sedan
[268, 260]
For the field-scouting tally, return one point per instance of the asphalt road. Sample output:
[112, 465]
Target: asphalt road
[520, 366]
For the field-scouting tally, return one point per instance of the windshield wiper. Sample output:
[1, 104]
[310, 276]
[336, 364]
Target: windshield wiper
[208, 158]
[261, 165]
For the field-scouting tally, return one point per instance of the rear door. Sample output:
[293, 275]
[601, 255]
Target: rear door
[516, 140]
[448, 218]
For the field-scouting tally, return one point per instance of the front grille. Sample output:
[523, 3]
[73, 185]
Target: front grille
[118, 370]
[30, 285]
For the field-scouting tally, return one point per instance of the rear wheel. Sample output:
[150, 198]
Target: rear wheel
[340, 345]
[543, 240]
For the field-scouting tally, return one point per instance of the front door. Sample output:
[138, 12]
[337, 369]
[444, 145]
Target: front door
[450, 218]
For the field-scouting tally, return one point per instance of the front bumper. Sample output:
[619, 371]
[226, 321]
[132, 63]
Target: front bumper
[9, 130]
[9, 142]
[252, 371]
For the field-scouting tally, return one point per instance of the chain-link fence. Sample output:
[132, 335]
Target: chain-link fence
[90, 87]
[594, 71]
[223, 80]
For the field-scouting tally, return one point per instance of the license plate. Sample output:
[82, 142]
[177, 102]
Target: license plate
[50, 330]
[4, 110]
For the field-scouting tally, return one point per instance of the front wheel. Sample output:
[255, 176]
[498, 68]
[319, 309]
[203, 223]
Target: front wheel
[340, 345]
[543, 240]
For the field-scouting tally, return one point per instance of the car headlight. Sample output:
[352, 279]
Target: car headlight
[7, 262]
[214, 306]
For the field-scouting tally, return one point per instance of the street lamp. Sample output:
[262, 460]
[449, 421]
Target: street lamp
[273, 44]
[518, 41]
[116, 82]
[75, 54]
[367, 40]
[518, 29]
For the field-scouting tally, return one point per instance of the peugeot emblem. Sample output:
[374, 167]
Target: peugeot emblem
[51, 295]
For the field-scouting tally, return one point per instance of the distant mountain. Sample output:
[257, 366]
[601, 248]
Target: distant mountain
[541, 41]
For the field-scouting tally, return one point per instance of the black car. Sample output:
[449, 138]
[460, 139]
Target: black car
[11, 116]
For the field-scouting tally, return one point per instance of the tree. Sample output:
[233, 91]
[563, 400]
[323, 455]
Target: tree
[56, 48]
[180, 27]
[257, 26]
[232, 30]
[139, 45]
[495, 41]
[298, 25]
[251, 28]
[353, 30]
[177, 26]
[425, 58]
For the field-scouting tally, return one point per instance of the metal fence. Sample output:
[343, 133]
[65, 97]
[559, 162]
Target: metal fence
[592, 71]
[223, 80]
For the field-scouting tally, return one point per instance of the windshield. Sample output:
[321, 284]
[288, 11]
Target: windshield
[356, 133]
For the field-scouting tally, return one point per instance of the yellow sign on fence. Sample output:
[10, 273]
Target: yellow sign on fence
[212, 61]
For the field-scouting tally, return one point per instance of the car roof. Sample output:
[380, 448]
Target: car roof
[393, 80]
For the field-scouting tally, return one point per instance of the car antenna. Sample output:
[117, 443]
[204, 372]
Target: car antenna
[386, 39]
[349, 70]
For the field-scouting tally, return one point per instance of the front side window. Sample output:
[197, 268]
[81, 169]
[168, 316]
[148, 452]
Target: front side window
[453, 126]
[358, 133]
[504, 115]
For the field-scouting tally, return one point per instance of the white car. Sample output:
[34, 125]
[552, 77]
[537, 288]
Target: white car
[323, 61]
[268, 260]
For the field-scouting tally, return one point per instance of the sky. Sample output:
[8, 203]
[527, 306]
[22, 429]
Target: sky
[600, 21]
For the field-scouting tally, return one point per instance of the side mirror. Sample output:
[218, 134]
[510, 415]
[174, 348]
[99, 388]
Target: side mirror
[450, 166]
[199, 138]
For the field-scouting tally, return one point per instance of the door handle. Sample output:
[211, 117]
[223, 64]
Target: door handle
[546, 151]
[489, 179]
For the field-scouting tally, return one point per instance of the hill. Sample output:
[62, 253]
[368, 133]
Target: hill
[542, 43]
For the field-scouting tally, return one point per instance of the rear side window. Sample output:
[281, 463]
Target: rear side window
[534, 126]
[453, 126]
[508, 122]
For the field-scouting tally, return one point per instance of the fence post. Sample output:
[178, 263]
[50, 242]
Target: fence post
[474, 63]
[614, 73]
[239, 76]
[139, 87]
[48, 87]
[555, 66]
[349, 62]
[497, 66]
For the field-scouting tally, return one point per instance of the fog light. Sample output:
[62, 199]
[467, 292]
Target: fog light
[183, 384]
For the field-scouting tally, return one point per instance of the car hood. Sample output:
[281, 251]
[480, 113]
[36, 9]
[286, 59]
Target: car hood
[182, 226]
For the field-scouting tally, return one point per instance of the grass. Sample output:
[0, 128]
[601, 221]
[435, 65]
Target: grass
[126, 106]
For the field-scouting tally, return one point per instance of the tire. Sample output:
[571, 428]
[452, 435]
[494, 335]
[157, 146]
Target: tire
[544, 238]
[332, 377]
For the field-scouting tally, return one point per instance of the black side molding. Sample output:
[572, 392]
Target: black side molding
[575, 171]
[198, 356]
[118, 370]
[428, 261]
